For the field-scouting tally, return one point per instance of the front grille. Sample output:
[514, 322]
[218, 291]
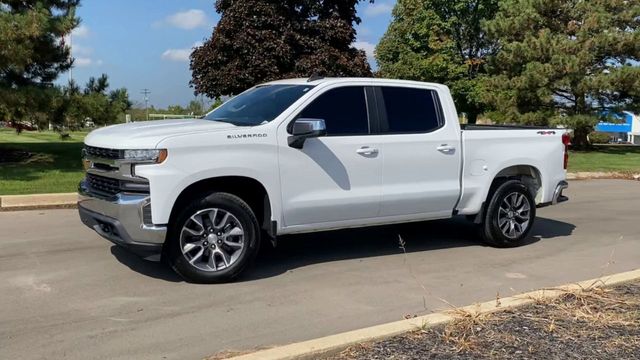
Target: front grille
[104, 153]
[108, 187]
[103, 185]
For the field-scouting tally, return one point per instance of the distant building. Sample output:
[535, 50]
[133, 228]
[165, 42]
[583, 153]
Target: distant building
[626, 129]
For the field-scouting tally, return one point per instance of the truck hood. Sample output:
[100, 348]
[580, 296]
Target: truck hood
[147, 134]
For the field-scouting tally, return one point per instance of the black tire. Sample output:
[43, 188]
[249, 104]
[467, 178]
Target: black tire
[251, 239]
[502, 196]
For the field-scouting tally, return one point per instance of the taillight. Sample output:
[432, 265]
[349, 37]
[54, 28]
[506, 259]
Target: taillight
[566, 140]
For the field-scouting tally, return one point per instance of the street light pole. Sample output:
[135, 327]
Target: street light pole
[146, 93]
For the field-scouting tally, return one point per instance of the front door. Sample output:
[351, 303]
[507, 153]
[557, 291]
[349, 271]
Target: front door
[337, 177]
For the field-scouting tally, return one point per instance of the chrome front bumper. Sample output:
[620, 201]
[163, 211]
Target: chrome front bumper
[123, 220]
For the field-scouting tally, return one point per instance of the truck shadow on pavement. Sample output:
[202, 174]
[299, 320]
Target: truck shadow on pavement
[156, 270]
[296, 251]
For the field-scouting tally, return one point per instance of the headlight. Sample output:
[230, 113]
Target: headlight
[151, 155]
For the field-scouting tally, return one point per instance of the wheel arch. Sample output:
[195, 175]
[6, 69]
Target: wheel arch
[529, 175]
[250, 190]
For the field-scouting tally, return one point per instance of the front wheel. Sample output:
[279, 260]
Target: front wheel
[214, 239]
[509, 215]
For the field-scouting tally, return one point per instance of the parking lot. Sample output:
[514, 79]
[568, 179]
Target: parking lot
[67, 293]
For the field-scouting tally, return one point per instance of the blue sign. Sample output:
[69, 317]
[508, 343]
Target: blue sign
[623, 125]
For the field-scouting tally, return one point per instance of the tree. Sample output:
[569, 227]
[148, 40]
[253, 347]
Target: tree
[97, 86]
[217, 102]
[120, 99]
[262, 40]
[564, 61]
[195, 108]
[441, 41]
[173, 109]
[32, 52]
[119, 102]
[73, 105]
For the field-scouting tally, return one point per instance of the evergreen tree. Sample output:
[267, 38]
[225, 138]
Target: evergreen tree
[262, 40]
[441, 41]
[72, 105]
[32, 52]
[564, 61]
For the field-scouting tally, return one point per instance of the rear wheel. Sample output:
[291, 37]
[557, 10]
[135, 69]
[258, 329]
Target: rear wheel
[214, 239]
[509, 215]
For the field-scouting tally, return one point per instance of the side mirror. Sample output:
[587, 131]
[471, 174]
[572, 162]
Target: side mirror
[304, 129]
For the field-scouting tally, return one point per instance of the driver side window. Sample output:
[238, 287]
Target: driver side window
[343, 109]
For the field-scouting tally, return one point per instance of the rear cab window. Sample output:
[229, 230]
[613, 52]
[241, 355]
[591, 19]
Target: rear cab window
[405, 110]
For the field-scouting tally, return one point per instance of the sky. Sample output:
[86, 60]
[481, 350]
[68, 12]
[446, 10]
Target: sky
[146, 44]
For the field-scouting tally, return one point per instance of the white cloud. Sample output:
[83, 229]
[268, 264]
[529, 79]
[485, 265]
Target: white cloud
[176, 54]
[86, 62]
[81, 31]
[189, 19]
[368, 47]
[179, 54]
[82, 61]
[81, 50]
[377, 9]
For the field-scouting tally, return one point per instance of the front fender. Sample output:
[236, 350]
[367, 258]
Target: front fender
[188, 165]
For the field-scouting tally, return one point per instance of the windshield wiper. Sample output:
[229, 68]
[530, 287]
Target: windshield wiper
[237, 123]
[224, 120]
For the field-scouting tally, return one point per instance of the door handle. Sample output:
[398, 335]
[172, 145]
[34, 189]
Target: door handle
[365, 150]
[444, 148]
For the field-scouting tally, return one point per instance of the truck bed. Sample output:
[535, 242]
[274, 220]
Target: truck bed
[493, 151]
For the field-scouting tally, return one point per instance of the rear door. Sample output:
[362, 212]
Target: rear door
[420, 153]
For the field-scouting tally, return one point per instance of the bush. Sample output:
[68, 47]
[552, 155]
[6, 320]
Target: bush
[599, 138]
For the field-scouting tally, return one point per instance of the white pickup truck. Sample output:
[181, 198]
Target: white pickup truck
[306, 155]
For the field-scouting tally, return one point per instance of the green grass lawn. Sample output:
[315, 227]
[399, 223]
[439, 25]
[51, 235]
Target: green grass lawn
[606, 158]
[54, 167]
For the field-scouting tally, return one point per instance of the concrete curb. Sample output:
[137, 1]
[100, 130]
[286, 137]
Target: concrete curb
[37, 201]
[335, 343]
[584, 175]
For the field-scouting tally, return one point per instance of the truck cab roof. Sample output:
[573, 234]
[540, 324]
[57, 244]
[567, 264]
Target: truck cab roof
[338, 80]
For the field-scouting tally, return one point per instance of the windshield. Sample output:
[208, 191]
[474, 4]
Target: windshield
[258, 105]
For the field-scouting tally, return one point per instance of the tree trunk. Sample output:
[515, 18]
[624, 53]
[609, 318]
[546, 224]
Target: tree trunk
[580, 138]
[472, 117]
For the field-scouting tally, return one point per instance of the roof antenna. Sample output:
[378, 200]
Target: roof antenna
[315, 76]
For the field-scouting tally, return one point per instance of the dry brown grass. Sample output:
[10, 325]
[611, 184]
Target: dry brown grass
[593, 322]
[596, 309]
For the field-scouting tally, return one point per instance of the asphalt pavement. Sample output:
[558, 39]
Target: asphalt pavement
[67, 293]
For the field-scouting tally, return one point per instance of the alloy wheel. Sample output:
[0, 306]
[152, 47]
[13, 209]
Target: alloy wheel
[514, 215]
[212, 239]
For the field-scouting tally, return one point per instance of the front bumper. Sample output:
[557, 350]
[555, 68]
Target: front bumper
[123, 220]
